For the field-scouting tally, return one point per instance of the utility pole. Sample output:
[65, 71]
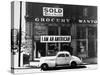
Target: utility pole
[20, 34]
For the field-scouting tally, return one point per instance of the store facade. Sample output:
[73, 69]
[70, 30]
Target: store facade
[55, 27]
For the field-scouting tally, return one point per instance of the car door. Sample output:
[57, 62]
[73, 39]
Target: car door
[67, 58]
[61, 59]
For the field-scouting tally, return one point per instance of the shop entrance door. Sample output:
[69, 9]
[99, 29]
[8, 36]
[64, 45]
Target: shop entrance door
[52, 48]
[40, 49]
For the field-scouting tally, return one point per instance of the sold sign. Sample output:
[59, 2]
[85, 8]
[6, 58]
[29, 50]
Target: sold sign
[52, 11]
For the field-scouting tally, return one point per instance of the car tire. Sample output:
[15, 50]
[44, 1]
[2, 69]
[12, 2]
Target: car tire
[73, 64]
[44, 67]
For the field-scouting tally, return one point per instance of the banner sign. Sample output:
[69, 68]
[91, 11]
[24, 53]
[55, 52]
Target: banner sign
[54, 39]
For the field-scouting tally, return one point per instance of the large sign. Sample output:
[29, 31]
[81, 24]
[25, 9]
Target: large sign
[54, 39]
[52, 20]
[87, 21]
[52, 11]
[65, 20]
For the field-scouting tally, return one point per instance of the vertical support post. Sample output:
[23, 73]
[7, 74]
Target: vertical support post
[59, 30]
[47, 44]
[87, 41]
[95, 41]
[46, 48]
[20, 34]
[34, 49]
[74, 41]
[32, 41]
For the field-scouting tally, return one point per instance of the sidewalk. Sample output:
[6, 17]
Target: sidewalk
[90, 60]
[25, 69]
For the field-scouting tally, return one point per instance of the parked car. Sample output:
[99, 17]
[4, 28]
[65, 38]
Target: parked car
[62, 58]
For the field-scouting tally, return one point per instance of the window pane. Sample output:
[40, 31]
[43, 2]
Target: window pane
[52, 30]
[52, 48]
[81, 32]
[65, 30]
[67, 55]
[61, 55]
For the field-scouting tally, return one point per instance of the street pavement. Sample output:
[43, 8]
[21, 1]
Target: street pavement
[32, 70]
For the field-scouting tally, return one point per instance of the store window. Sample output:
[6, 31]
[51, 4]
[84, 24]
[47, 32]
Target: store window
[53, 30]
[52, 47]
[82, 42]
[81, 33]
[65, 31]
[92, 41]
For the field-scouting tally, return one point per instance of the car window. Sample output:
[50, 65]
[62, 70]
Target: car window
[67, 55]
[61, 55]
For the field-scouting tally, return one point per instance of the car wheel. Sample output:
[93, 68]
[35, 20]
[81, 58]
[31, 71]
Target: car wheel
[44, 67]
[73, 64]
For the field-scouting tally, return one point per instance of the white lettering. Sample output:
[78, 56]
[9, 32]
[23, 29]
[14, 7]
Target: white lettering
[51, 39]
[52, 20]
[36, 19]
[84, 21]
[42, 19]
[63, 20]
[47, 20]
[87, 21]
[80, 21]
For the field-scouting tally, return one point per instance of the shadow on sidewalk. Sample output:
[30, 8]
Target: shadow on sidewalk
[59, 68]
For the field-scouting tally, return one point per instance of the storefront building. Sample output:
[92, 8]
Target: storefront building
[55, 27]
